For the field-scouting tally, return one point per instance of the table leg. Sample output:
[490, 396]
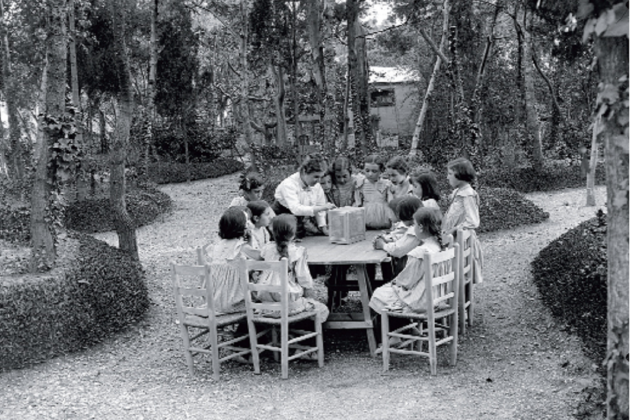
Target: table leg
[366, 294]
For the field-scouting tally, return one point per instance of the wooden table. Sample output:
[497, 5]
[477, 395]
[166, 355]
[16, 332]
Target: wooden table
[321, 252]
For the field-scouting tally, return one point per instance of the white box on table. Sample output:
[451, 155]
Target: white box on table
[346, 225]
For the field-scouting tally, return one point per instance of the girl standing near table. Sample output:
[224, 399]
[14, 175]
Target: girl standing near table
[425, 187]
[463, 212]
[398, 174]
[301, 195]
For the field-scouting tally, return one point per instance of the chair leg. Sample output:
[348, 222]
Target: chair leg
[470, 307]
[284, 353]
[253, 344]
[385, 340]
[432, 349]
[453, 332]
[185, 338]
[320, 342]
[276, 342]
[214, 343]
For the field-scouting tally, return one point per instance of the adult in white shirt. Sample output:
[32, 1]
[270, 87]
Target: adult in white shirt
[301, 194]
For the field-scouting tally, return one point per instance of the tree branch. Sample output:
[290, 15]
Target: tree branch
[433, 46]
[546, 79]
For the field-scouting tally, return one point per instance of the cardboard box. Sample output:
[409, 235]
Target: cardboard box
[346, 225]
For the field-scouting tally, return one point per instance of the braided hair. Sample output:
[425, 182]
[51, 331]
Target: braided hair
[284, 228]
[430, 219]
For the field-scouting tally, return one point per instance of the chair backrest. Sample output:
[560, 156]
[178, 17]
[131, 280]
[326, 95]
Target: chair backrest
[277, 268]
[466, 244]
[441, 275]
[202, 254]
[193, 290]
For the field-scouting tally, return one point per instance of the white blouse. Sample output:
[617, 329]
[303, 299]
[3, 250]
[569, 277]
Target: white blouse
[300, 199]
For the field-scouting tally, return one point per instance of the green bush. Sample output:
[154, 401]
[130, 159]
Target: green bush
[552, 177]
[570, 274]
[95, 291]
[503, 208]
[15, 224]
[173, 172]
[95, 215]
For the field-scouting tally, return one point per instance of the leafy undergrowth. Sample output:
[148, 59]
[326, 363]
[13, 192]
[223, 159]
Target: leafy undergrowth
[570, 274]
[503, 208]
[174, 172]
[95, 215]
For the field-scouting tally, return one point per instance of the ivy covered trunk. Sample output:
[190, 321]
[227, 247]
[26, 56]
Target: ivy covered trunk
[314, 17]
[531, 115]
[612, 54]
[42, 234]
[122, 221]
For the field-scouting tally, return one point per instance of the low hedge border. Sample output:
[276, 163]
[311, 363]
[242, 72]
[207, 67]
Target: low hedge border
[95, 290]
[571, 275]
[95, 215]
[174, 172]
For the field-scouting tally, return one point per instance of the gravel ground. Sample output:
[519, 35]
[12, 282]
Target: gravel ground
[515, 363]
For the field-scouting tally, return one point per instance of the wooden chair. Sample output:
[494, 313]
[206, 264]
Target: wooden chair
[199, 324]
[202, 254]
[441, 274]
[466, 301]
[255, 316]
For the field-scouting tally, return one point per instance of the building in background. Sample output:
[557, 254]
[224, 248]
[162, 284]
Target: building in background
[394, 101]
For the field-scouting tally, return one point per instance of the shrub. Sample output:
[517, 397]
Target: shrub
[570, 274]
[173, 172]
[95, 291]
[15, 223]
[95, 215]
[552, 177]
[503, 208]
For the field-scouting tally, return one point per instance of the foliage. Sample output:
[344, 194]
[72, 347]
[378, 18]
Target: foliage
[205, 143]
[95, 291]
[571, 275]
[503, 208]
[551, 177]
[95, 215]
[173, 172]
[15, 223]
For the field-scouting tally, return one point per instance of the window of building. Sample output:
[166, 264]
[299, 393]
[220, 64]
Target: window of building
[382, 97]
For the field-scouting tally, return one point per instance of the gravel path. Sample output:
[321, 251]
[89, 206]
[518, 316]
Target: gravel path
[515, 363]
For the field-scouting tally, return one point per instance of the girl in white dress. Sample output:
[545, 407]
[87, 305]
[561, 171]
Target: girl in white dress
[398, 174]
[406, 293]
[262, 214]
[374, 193]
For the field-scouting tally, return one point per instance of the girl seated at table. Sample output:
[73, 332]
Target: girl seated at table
[425, 187]
[301, 195]
[406, 293]
[402, 240]
[343, 188]
[229, 297]
[262, 214]
[250, 188]
[301, 292]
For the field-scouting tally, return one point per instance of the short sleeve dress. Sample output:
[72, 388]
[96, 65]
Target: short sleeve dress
[374, 196]
[406, 293]
[228, 293]
[299, 279]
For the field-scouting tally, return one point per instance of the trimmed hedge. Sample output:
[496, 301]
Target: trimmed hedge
[95, 215]
[95, 291]
[503, 208]
[571, 276]
[551, 177]
[173, 172]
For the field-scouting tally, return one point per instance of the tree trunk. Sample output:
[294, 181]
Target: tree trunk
[590, 176]
[42, 235]
[354, 72]
[102, 126]
[533, 126]
[612, 55]
[15, 157]
[431, 85]
[278, 76]
[314, 17]
[244, 94]
[153, 58]
[117, 183]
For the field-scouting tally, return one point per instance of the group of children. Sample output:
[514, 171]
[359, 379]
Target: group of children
[404, 202]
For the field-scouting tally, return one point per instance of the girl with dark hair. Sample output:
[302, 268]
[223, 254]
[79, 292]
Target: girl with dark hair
[250, 188]
[425, 187]
[373, 193]
[301, 195]
[262, 214]
[406, 293]
[463, 211]
[284, 228]
[343, 188]
[232, 246]
[398, 174]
